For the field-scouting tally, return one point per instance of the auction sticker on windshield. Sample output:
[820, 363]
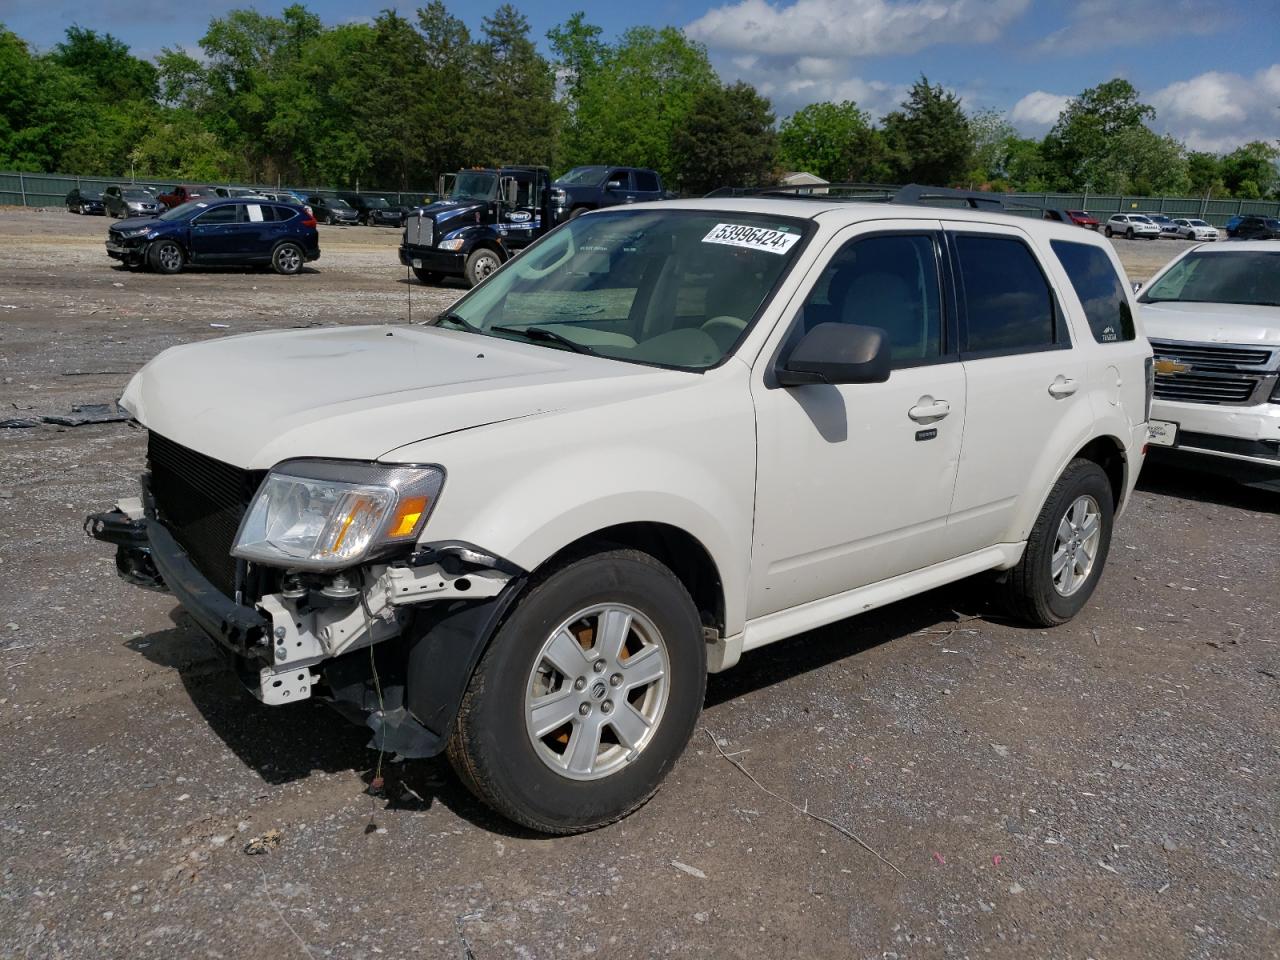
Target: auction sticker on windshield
[753, 238]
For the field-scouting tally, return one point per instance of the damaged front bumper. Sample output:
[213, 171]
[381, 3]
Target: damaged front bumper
[430, 617]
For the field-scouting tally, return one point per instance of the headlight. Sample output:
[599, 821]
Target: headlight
[328, 514]
[452, 244]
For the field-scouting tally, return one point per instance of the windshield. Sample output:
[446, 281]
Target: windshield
[375, 203]
[184, 210]
[1238, 276]
[1158, 217]
[339, 204]
[1197, 223]
[673, 288]
[588, 175]
[1138, 218]
[468, 185]
[137, 195]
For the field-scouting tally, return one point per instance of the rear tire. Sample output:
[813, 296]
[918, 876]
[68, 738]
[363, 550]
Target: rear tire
[1067, 549]
[620, 722]
[287, 259]
[481, 264]
[165, 256]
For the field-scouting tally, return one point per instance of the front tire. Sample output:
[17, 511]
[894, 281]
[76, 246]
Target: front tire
[1128, 234]
[1067, 549]
[480, 264]
[165, 256]
[287, 259]
[586, 697]
[1109, 233]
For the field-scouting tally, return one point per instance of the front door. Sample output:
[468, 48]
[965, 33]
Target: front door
[213, 233]
[521, 223]
[854, 482]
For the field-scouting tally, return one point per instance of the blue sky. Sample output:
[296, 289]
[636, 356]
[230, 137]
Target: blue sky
[1212, 69]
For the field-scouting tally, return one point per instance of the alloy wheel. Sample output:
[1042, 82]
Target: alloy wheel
[597, 691]
[1075, 546]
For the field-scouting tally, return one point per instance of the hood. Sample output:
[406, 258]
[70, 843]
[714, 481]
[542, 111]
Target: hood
[443, 210]
[133, 223]
[360, 392]
[1211, 322]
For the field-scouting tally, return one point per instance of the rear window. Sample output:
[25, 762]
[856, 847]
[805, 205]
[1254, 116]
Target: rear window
[1009, 307]
[1099, 288]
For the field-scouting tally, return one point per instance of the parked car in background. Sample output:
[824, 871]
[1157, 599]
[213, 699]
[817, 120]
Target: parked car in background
[1253, 226]
[183, 193]
[673, 433]
[1079, 218]
[238, 192]
[130, 202]
[218, 232]
[85, 201]
[1213, 316]
[596, 187]
[1193, 228]
[333, 210]
[1132, 226]
[1165, 222]
[375, 211]
[286, 196]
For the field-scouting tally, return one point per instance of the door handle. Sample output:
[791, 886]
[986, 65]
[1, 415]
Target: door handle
[929, 410]
[1062, 387]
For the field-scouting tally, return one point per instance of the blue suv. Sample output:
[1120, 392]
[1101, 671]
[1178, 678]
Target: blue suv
[241, 231]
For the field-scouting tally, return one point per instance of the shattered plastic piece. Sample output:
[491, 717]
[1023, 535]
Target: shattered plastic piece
[996, 859]
[940, 858]
[19, 423]
[691, 871]
[82, 413]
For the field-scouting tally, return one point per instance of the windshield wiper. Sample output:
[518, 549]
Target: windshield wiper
[542, 333]
[461, 321]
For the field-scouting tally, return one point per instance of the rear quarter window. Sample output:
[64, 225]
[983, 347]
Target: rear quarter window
[1100, 289]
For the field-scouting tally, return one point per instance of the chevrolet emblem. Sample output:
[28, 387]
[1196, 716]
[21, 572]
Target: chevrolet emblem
[1167, 367]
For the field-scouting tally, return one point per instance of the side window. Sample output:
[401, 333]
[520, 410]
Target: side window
[224, 214]
[282, 213]
[646, 181]
[888, 281]
[620, 176]
[1099, 289]
[1008, 304]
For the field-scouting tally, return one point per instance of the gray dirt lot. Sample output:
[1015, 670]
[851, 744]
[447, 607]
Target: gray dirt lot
[1107, 789]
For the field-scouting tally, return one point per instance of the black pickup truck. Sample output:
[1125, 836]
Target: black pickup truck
[486, 217]
[594, 187]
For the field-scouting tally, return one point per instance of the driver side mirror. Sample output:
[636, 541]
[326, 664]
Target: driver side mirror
[508, 190]
[838, 353]
[613, 185]
[1137, 287]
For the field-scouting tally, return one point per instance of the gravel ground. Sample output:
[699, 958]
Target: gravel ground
[1107, 789]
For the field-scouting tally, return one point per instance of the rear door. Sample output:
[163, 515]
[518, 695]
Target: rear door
[647, 185]
[1026, 393]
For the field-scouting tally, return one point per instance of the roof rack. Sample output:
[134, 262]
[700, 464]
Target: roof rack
[912, 193]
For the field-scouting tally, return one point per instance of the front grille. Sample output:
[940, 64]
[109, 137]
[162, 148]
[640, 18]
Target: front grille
[418, 230]
[1218, 374]
[201, 501]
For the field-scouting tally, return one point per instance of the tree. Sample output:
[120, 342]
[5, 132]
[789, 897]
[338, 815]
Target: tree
[993, 136]
[578, 52]
[515, 114]
[629, 109]
[1204, 172]
[726, 139]
[1080, 148]
[1250, 171]
[930, 139]
[835, 141]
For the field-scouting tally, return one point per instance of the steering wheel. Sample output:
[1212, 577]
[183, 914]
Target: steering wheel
[724, 330]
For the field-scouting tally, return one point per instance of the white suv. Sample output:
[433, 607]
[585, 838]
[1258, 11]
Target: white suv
[1132, 226]
[662, 436]
[1214, 319]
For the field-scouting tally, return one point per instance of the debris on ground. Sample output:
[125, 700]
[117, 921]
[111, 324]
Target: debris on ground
[83, 413]
[264, 844]
[691, 871]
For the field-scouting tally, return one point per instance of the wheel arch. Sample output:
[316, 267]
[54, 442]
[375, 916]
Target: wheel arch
[1108, 453]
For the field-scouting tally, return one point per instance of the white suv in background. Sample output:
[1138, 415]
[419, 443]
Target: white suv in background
[1132, 226]
[662, 436]
[1213, 315]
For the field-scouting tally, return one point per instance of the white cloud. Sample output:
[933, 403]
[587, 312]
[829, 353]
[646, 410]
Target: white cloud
[1113, 23]
[1217, 111]
[851, 28]
[1038, 111]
